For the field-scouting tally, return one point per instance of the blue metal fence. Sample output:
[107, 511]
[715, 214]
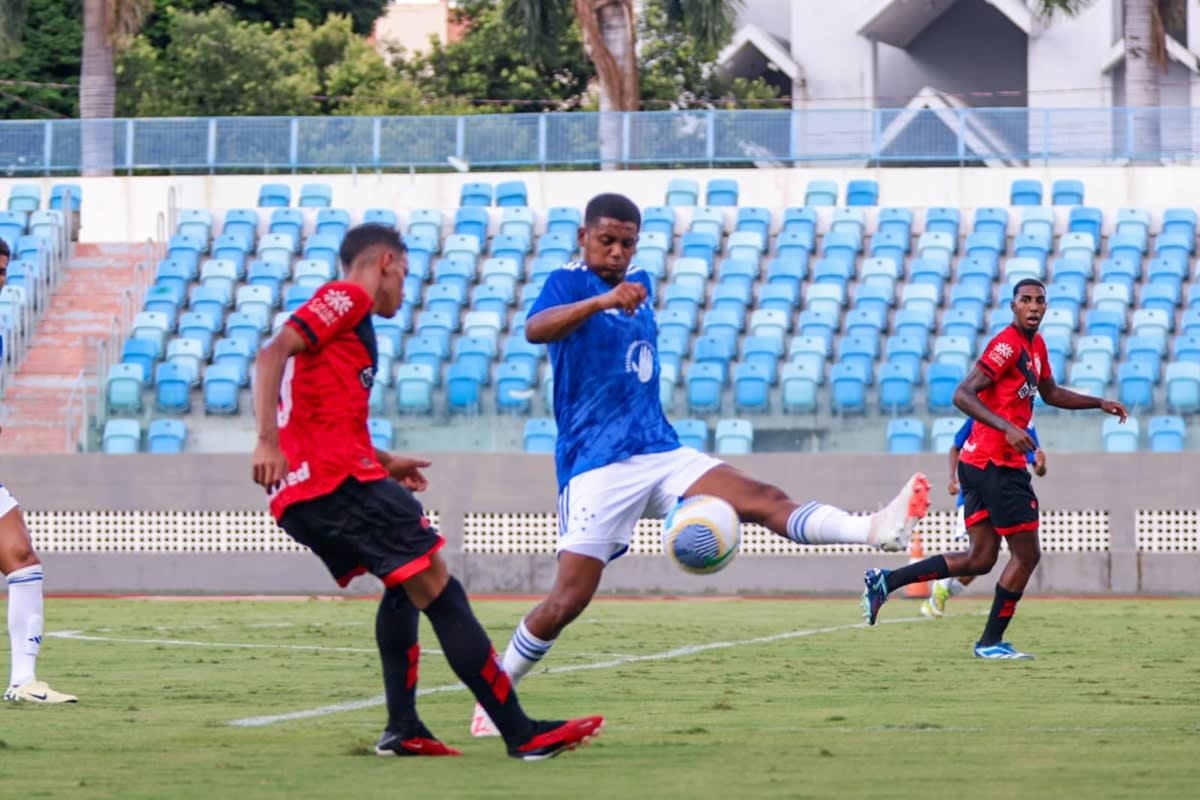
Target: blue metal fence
[999, 136]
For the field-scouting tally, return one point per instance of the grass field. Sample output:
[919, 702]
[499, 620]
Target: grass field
[817, 707]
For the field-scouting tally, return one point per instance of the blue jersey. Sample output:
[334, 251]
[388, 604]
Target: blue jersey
[605, 377]
[964, 433]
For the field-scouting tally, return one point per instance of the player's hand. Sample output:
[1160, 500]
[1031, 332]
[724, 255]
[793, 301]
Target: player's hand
[269, 465]
[1019, 440]
[953, 487]
[1114, 408]
[1039, 462]
[408, 472]
[626, 296]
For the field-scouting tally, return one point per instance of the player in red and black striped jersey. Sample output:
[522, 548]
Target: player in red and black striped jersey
[351, 504]
[999, 500]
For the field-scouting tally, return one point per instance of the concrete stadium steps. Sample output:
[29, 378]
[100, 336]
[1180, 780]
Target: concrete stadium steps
[82, 310]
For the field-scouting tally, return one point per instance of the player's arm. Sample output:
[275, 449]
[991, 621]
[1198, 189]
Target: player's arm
[1057, 396]
[966, 399]
[953, 470]
[1037, 459]
[404, 469]
[270, 466]
[559, 322]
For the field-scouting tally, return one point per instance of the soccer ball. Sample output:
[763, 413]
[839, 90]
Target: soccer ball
[702, 534]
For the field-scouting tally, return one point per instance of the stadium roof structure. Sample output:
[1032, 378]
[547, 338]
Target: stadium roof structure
[898, 22]
[979, 136]
[752, 51]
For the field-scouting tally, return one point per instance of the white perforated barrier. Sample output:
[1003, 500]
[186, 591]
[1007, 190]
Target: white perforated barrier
[1168, 531]
[255, 531]
[1062, 531]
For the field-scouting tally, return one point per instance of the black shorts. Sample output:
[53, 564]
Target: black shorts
[1002, 494]
[376, 527]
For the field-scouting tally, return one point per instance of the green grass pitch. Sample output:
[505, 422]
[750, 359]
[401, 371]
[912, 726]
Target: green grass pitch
[705, 698]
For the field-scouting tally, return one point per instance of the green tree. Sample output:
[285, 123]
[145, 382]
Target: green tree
[276, 13]
[44, 48]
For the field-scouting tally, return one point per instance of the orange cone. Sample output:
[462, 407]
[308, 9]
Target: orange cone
[916, 552]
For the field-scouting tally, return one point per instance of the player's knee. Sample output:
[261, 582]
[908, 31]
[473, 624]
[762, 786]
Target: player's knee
[565, 608]
[761, 502]
[980, 563]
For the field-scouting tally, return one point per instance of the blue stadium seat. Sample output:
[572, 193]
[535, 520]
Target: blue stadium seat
[381, 432]
[172, 388]
[656, 220]
[1085, 219]
[1089, 377]
[821, 193]
[472, 221]
[414, 388]
[151, 326]
[1183, 387]
[236, 354]
[991, 220]
[733, 437]
[895, 388]
[905, 435]
[936, 247]
[220, 388]
[849, 385]
[475, 193]
[754, 219]
[1180, 222]
[24, 197]
[1065, 192]
[860, 352]
[799, 384]
[274, 195]
[141, 353]
[942, 379]
[66, 197]
[705, 383]
[512, 194]
[123, 389]
[425, 223]
[692, 433]
[122, 436]
[518, 222]
[751, 388]
[862, 193]
[802, 222]
[379, 216]
[166, 436]
[682, 192]
[940, 219]
[315, 195]
[464, 388]
[541, 435]
[943, 431]
[1025, 193]
[709, 220]
[1135, 386]
[721, 192]
[1120, 438]
[1167, 434]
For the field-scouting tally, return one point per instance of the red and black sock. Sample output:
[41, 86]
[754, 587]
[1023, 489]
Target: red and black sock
[1003, 607]
[931, 569]
[475, 662]
[396, 634]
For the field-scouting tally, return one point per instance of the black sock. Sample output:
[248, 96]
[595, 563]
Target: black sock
[396, 634]
[475, 662]
[1003, 607]
[931, 569]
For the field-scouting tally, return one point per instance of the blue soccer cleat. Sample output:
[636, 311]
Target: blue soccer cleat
[876, 593]
[1000, 651]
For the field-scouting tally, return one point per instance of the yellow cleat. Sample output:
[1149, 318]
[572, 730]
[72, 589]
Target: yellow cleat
[37, 692]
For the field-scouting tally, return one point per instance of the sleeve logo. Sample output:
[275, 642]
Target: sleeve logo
[1001, 353]
[332, 305]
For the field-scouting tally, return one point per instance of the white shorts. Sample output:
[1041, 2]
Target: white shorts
[598, 509]
[7, 501]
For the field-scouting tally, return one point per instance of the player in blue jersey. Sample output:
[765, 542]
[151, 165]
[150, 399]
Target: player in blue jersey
[23, 574]
[618, 458]
[943, 589]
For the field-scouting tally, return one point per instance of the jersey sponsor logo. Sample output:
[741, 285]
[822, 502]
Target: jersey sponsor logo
[1001, 353]
[297, 476]
[639, 359]
[331, 305]
[969, 446]
[1029, 388]
[367, 377]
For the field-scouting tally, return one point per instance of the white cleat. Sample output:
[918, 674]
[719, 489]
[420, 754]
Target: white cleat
[892, 525]
[481, 723]
[37, 692]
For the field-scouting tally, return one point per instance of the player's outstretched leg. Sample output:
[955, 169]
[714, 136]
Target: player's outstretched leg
[476, 664]
[23, 574]
[940, 593]
[396, 625]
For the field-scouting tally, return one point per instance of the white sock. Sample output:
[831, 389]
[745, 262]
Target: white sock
[955, 586]
[524, 652]
[817, 523]
[24, 621]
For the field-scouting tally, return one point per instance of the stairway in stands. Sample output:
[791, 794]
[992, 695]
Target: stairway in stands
[82, 310]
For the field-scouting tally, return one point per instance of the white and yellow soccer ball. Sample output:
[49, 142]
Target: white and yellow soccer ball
[702, 534]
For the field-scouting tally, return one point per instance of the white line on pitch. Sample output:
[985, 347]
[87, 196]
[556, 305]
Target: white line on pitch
[77, 636]
[687, 650]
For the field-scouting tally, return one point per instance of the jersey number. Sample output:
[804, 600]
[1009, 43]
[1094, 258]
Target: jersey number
[284, 412]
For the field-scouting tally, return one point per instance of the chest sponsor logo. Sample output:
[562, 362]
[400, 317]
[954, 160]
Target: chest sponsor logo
[639, 359]
[294, 478]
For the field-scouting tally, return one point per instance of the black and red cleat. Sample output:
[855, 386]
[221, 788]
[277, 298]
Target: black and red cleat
[553, 738]
[398, 744]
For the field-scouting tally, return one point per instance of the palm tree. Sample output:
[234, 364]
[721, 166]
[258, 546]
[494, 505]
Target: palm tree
[1146, 58]
[11, 14]
[106, 24]
[609, 29]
